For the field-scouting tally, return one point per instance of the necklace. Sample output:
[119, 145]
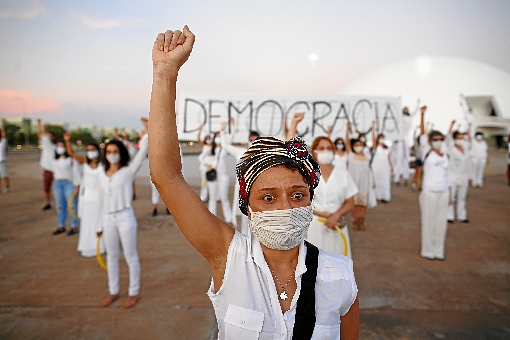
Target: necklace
[283, 294]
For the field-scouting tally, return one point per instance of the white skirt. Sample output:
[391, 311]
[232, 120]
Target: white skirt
[329, 239]
[89, 214]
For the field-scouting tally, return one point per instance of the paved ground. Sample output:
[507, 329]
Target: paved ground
[48, 291]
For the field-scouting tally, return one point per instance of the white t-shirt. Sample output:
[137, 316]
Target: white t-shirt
[460, 163]
[47, 153]
[3, 148]
[436, 172]
[247, 305]
[331, 194]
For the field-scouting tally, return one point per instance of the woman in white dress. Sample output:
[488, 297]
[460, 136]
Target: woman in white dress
[359, 168]
[89, 196]
[382, 168]
[333, 200]
[205, 145]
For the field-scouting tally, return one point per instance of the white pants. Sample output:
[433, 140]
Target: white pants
[154, 194]
[478, 171]
[459, 194]
[218, 191]
[120, 228]
[401, 166]
[433, 207]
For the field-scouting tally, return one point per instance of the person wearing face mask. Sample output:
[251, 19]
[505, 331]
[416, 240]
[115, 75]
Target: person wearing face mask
[237, 152]
[435, 196]
[479, 160]
[219, 187]
[66, 180]
[382, 168]
[359, 169]
[47, 142]
[89, 196]
[458, 146]
[401, 148]
[340, 155]
[269, 282]
[333, 200]
[205, 145]
[118, 222]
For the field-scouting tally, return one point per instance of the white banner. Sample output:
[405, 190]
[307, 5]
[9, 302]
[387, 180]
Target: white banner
[265, 114]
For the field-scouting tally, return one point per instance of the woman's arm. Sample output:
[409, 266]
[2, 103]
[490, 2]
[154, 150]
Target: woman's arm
[374, 141]
[347, 139]
[349, 329]
[199, 139]
[70, 151]
[207, 233]
[292, 132]
[347, 206]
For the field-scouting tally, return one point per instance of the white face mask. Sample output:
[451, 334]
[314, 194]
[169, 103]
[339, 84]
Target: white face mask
[362, 139]
[113, 158]
[437, 144]
[381, 141]
[461, 143]
[93, 154]
[479, 137]
[340, 146]
[325, 156]
[358, 149]
[217, 140]
[281, 229]
[60, 150]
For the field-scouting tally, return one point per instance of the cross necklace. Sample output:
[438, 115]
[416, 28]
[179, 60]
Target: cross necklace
[283, 294]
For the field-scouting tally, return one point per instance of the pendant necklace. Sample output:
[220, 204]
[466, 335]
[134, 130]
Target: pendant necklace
[283, 294]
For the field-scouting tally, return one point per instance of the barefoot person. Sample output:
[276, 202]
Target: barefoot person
[119, 224]
[272, 283]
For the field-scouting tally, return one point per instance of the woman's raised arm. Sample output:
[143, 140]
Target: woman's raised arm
[208, 234]
[70, 151]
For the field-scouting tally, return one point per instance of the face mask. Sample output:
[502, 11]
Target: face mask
[362, 139]
[358, 149]
[60, 150]
[340, 146]
[93, 154]
[437, 144]
[113, 158]
[281, 229]
[325, 157]
[461, 143]
[479, 137]
[381, 141]
[125, 142]
[217, 140]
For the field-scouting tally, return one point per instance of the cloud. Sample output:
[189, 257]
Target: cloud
[96, 23]
[26, 10]
[15, 103]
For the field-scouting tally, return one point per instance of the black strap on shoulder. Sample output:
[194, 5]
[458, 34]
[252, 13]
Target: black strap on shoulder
[305, 310]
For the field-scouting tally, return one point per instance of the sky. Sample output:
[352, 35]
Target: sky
[89, 62]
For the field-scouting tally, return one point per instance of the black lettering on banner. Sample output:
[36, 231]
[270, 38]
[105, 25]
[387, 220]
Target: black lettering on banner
[211, 116]
[389, 115]
[355, 112]
[292, 107]
[270, 132]
[340, 116]
[185, 113]
[316, 118]
[232, 107]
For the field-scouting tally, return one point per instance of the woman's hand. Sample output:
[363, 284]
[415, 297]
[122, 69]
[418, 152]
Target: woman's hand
[67, 136]
[172, 48]
[332, 220]
[99, 233]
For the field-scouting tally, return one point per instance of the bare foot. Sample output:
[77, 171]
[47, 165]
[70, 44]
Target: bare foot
[109, 300]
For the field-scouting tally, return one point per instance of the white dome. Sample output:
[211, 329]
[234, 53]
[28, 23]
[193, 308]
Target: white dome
[438, 83]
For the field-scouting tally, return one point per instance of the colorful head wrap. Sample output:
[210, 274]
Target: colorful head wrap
[267, 152]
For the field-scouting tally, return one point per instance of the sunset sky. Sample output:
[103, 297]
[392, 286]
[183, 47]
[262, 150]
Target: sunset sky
[89, 62]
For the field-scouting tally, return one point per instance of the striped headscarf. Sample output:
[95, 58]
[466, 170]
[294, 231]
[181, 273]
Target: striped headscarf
[267, 152]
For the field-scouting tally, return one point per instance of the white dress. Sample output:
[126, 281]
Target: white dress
[89, 210]
[382, 173]
[329, 196]
[360, 172]
[340, 160]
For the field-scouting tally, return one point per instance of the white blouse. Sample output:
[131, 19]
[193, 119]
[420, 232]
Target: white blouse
[460, 163]
[247, 305]
[436, 172]
[331, 194]
[117, 190]
[66, 169]
[47, 153]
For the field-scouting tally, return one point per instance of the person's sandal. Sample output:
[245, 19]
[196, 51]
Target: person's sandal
[73, 231]
[59, 230]
[109, 300]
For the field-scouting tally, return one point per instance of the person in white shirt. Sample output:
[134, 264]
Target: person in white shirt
[458, 147]
[435, 195]
[47, 142]
[237, 152]
[119, 224]
[479, 160]
[205, 145]
[340, 154]
[382, 168]
[469, 118]
[269, 283]
[4, 172]
[333, 200]
[66, 180]
[401, 148]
